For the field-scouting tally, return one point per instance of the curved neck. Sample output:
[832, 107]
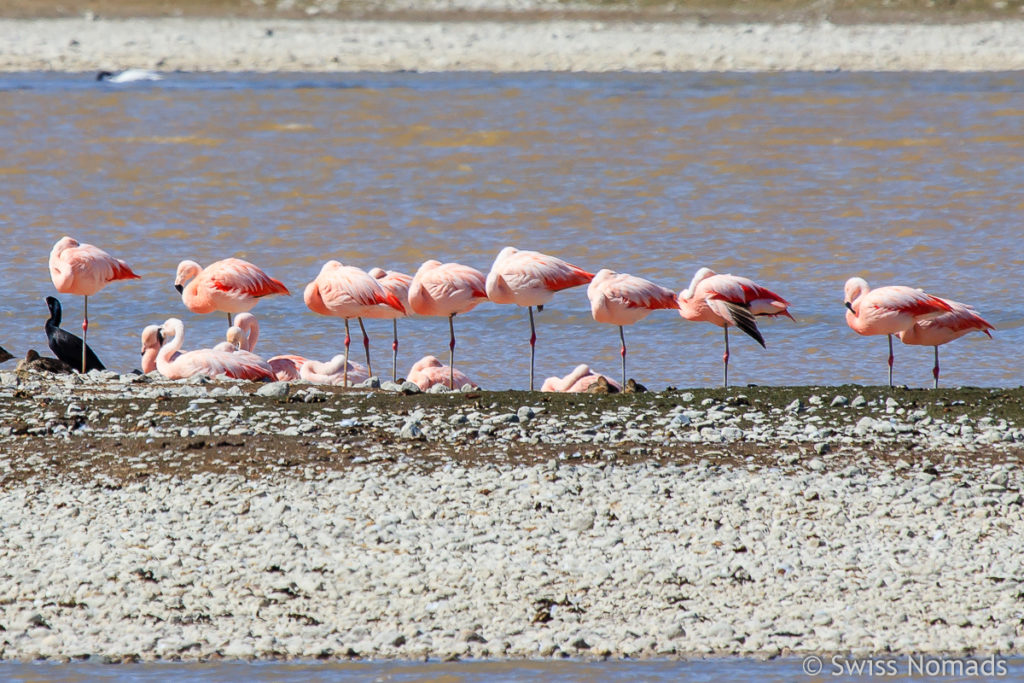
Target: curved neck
[171, 346]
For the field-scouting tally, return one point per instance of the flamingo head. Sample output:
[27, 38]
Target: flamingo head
[151, 338]
[170, 328]
[377, 273]
[855, 288]
[236, 336]
[186, 271]
[698, 277]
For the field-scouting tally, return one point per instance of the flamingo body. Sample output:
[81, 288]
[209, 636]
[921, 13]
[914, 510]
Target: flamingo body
[446, 289]
[230, 286]
[152, 339]
[83, 269]
[175, 364]
[577, 381]
[945, 328]
[621, 299]
[530, 278]
[333, 371]
[428, 371]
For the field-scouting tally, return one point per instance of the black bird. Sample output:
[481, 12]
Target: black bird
[65, 345]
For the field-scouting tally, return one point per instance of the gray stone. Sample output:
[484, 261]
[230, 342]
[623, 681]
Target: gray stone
[273, 390]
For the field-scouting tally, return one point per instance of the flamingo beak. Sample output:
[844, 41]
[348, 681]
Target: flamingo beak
[850, 306]
[160, 337]
[180, 288]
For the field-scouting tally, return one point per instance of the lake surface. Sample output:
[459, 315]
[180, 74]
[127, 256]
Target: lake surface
[796, 180]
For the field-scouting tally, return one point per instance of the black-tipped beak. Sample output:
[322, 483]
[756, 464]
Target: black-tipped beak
[180, 288]
[160, 337]
[850, 306]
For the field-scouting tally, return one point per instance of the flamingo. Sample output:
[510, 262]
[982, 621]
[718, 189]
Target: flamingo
[335, 371]
[235, 343]
[577, 381]
[230, 285]
[175, 364]
[398, 284]
[152, 340]
[622, 299]
[530, 278]
[961, 319]
[447, 289]
[428, 371]
[285, 367]
[888, 310]
[66, 346]
[348, 292]
[77, 268]
[729, 300]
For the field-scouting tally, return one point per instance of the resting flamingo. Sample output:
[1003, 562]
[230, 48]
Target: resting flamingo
[286, 367]
[335, 371]
[729, 300]
[530, 278]
[175, 364]
[447, 289]
[888, 310]
[151, 343]
[348, 292]
[83, 269]
[960, 320]
[231, 285]
[578, 381]
[428, 371]
[622, 299]
[398, 284]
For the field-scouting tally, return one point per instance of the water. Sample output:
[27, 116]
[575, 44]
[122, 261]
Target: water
[796, 180]
[698, 671]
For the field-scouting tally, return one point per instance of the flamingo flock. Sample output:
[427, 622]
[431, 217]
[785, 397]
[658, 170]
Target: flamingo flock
[528, 279]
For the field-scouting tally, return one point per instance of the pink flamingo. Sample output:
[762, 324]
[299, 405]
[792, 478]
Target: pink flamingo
[941, 330]
[151, 342]
[447, 289]
[398, 284]
[622, 299]
[577, 381]
[286, 367]
[231, 285]
[348, 292]
[888, 310]
[530, 278]
[335, 371]
[729, 301]
[236, 343]
[428, 371]
[83, 269]
[175, 364]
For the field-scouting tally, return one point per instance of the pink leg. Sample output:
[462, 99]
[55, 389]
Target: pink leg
[85, 331]
[533, 344]
[890, 360]
[394, 351]
[451, 352]
[935, 370]
[622, 352]
[725, 358]
[366, 347]
[348, 340]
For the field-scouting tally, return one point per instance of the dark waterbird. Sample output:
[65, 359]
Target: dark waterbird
[65, 345]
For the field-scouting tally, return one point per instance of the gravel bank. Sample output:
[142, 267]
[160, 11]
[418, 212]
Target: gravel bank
[149, 519]
[327, 45]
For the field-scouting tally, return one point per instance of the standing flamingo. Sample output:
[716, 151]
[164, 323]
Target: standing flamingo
[84, 269]
[530, 278]
[941, 330]
[348, 292]
[447, 289]
[398, 284]
[428, 371]
[622, 299]
[578, 381]
[231, 285]
[175, 364]
[888, 310]
[729, 300]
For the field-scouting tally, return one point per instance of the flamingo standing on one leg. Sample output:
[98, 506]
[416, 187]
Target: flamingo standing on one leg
[961, 319]
[447, 289]
[578, 381]
[231, 285]
[729, 300]
[428, 371]
[530, 278]
[888, 310]
[398, 284]
[175, 364]
[622, 299]
[83, 269]
[348, 292]
[286, 367]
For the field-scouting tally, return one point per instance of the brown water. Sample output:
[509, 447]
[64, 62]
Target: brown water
[798, 181]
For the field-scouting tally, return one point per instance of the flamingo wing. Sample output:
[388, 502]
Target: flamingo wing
[635, 292]
[532, 269]
[907, 300]
[241, 278]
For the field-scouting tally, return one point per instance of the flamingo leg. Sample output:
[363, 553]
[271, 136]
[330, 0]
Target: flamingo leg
[229, 319]
[394, 351]
[725, 359]
[85, 331]
[348, 340]
[451, 352]
[890, 360]
[935, 370]
[622, 352]
[366, 347]
[533, 343]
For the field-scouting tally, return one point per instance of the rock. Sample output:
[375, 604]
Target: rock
[839, 401]
[409, 388]
[391, 386]
[273, 390]
[411, 430]
[525, 413]
[858, 402]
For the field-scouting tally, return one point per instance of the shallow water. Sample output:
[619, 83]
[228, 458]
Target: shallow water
[796, 180]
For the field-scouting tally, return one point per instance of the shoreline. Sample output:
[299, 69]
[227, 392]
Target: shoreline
[196, 520]
[330, 45]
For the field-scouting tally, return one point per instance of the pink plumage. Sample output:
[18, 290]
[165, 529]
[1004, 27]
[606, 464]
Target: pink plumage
[577, 381]
[175, 364]
[960, 320]
[230, 286]
[428, 371]
[84, 269]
